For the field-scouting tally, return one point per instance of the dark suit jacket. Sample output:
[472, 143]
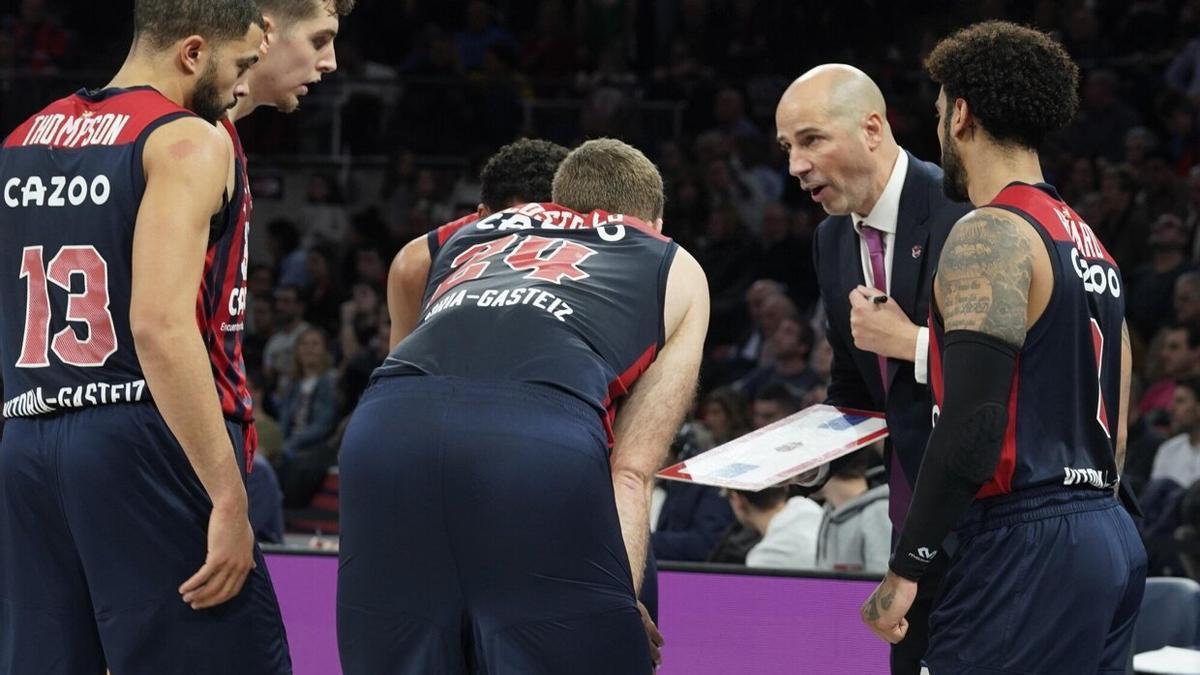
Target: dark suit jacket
[924, 219]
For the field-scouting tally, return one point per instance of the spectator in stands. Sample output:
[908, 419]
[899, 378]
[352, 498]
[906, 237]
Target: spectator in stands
[725, 415]
[308, 412]
[1161, 190]
[790, 344]
[263, 495]
[855, 533]
[1081, 181]
[270, 435]
[767, 306]
[368, 266]
[788, 527]
[1148, 304]
[786, 257]
[773, 403]
[1140, 144]
[1121, 222]
[729, 110]
[727, 256]
[283, 244]
[324, 214]
[288, 307]
[1185, 298]
[1191, 214]
[324, 294]
[1099, 129]
[821, 361]
[1181, 144]
[1179, 358]
[729, 186]
[1178, 458]
[363, 347]
[692, 517]
[548, 50]
[1142, 442]
[480, 33]
[1183, 73]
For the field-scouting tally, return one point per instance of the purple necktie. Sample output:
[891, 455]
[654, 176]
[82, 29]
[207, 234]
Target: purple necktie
[900, 494]
[874, 239]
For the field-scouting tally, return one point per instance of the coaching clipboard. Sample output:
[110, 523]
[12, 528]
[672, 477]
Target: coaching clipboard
[782, 450]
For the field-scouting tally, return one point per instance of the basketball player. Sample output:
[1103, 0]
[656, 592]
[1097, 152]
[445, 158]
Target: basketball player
[298, 51]
[515, 434]
[124, 540]
[1030, 372]
[519, 173]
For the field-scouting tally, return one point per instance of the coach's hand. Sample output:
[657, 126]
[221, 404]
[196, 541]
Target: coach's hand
[881, 327]
[652, 634]
[230, 558]
[884, 611]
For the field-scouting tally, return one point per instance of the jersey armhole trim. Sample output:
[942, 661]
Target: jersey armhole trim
[664, 274]
[139, 148]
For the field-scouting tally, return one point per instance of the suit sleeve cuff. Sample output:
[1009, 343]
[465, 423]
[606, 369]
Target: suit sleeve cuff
[921, 360]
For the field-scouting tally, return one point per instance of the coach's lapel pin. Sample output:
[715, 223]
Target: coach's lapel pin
[916, 251]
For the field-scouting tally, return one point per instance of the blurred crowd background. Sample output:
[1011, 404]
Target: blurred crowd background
[391, 145]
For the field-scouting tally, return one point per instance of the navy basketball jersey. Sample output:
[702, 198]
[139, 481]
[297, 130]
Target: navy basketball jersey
[71, 181]
[221, 307]
[1065, 402]
[541, 294]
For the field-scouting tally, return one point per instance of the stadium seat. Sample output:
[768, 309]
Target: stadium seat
[1170, 615]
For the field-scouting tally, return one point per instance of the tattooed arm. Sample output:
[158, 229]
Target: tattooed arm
[983, 287]
[984, 277]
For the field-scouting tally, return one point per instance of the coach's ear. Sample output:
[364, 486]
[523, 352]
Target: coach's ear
[658, 223]
[482, 211]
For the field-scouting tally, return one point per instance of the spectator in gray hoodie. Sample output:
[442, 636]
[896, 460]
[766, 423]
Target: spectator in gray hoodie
[855, 533]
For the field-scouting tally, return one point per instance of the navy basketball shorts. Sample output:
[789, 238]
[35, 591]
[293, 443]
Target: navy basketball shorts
[101, 520]
[1047, 580]
[479, 534]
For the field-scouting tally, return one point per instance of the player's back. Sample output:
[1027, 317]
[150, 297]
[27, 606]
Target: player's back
[1062, 418]
[541, 294]
[71, 180]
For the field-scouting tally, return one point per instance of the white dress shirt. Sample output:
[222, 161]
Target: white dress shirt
[883, 218]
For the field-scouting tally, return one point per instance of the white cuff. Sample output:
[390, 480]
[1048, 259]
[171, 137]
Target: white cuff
[921, 362]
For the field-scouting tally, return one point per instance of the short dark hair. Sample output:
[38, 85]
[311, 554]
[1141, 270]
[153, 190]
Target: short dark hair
[1018, 81]
[1191, 331]
[1192, 384]
[286, 12]
[162, 22]
[777, 392]
[765, 498]
[853, 465]
[522, 172]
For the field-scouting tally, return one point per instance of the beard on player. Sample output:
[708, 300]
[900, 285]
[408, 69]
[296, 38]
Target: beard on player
[207, 101]
[954, 173]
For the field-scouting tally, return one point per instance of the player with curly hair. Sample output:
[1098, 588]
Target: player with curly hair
[1029, 364]
[519, 173]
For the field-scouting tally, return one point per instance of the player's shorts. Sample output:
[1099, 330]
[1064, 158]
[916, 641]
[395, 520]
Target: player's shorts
[480, 534]
[101, 520]
[1048, 580]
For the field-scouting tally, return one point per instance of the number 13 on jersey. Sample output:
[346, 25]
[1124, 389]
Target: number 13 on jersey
[88, 307]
